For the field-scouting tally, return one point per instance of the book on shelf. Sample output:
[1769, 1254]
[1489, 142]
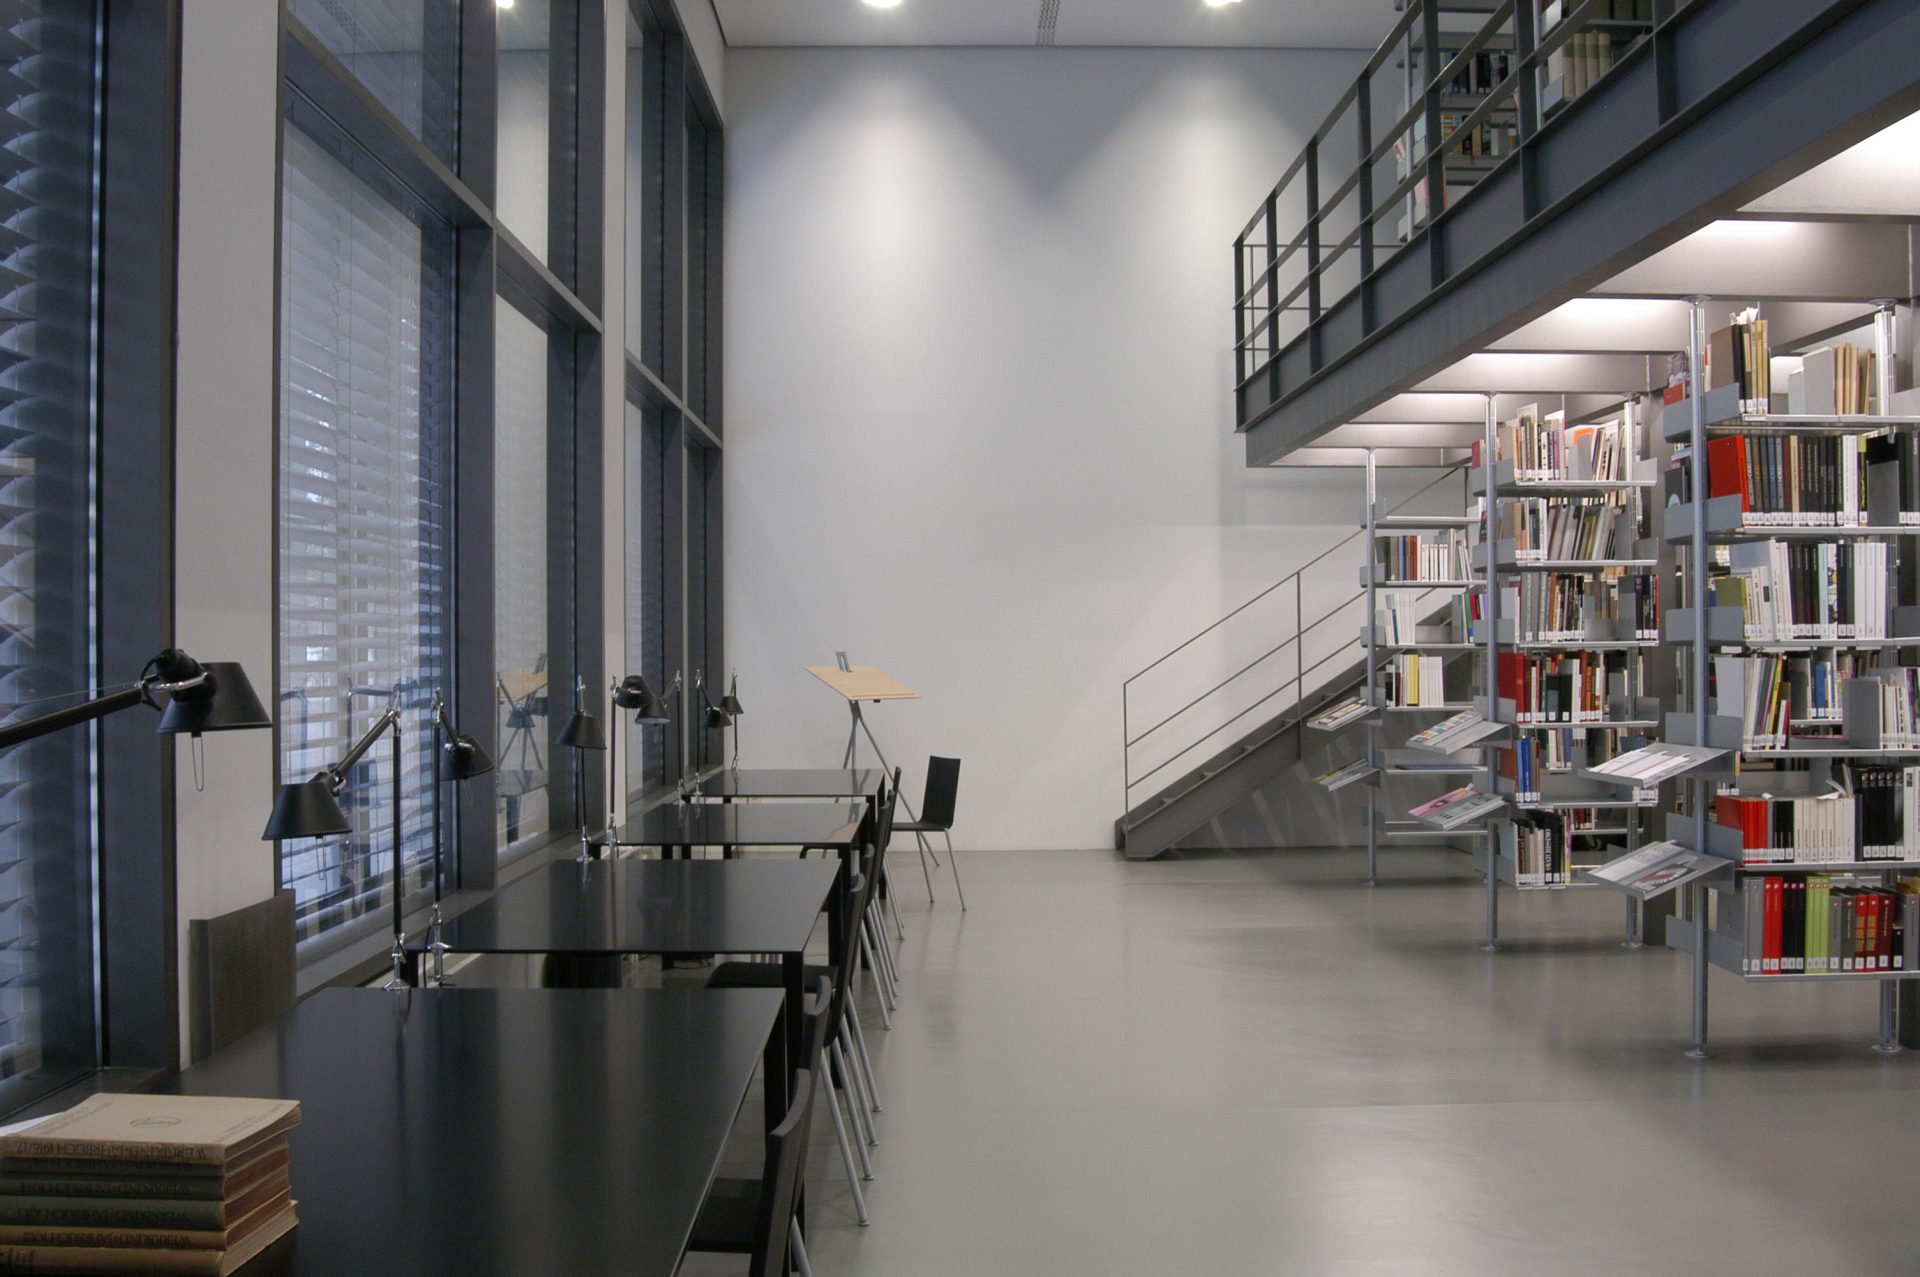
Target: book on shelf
[1822, 924]
[1456, 808]
[1899, 449]
[1737, 355]
[1835, 380]
[1546, 450]
[1567, 607]
[1821, 590]
[1342, 776]
[1440, 556]
[1886, 810]
[1541, 849]
[147, 1183]
[1655, 869]
[1561, 687]
[1398, 618]
[1679, 379]
[1545, 529]
[1340, 714]
[1415, 680]
[1792, 480]
[1809, 829]
[1775, 694]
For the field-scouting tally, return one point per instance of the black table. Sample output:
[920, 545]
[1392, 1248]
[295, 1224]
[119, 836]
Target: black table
[793, 782]
[474, 1132]
[674, 908]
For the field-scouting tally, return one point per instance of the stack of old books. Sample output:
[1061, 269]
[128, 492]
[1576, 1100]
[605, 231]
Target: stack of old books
[146, 1184]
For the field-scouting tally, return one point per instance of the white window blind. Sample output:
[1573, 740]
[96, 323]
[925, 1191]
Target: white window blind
[365, 510]
[524, 698]
[47, 205]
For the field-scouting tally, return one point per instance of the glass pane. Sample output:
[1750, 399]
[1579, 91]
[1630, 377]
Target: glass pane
[46, 567]
[703, 639]
[646, 192]
[407, 54]
[365, 504]
[522, 654]
[537, 95]
[646, 584]
[703, 251]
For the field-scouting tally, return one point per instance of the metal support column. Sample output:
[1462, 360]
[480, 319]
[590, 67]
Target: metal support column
[1490, 675]
[1374, 756]
[1697, 675]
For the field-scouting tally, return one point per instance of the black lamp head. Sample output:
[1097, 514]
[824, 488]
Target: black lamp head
[731, 701]
[223, 702]
[306, 810]
[631, 692]
[465, 759]
[582, 731]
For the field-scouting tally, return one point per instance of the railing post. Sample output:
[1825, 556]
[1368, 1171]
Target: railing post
[1526, 39]
[1363, 107]
[1239, 312]
[1436, 157]
[1313, 255]
[1273, 297]
[1375, 757]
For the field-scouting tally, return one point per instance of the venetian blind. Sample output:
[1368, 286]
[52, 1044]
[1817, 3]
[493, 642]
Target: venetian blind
[365, 511]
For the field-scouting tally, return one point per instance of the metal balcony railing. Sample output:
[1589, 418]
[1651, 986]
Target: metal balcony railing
[1481, 77]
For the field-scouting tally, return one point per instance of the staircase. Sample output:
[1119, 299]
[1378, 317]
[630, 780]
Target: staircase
[1196, 744]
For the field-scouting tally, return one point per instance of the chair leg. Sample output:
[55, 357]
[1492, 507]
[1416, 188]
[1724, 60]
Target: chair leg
[846, 1154]
[924, 871]
[892, 904]
[879, 918]
[862, 1138]
[866, 1061]
[955, 862]
[882, 967]
[862, 1089]
[799, 1246]
[880, 983]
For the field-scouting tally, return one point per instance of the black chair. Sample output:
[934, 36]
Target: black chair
[758, 1218]
[936, 817]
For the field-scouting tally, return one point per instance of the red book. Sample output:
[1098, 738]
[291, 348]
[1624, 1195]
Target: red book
[1727, 468]
[1770, 942]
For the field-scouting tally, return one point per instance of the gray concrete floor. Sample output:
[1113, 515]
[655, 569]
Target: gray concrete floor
[1253, 1066]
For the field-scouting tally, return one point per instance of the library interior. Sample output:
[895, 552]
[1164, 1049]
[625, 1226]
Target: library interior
[1405, 514]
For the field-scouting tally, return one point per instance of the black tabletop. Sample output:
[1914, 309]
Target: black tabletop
[793, 782]
[474, 1132]
[744, 825]
[650, 906]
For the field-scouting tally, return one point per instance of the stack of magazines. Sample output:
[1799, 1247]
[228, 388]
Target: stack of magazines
[146, 1184]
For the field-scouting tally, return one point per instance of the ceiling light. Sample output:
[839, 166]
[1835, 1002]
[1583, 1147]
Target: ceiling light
[508, 4]
[1220, 4]
[883, 4]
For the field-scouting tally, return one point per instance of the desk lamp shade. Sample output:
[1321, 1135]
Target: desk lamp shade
[582, 731]
[634, 694]
[230, 706]
[306, 810]
[731, 701]
[717, 717]
[465, 759]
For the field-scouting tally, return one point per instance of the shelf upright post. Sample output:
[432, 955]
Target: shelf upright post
[1490, 677]
[1374, 757]
[1884, 373]
[1697, 677]
[1630, 429]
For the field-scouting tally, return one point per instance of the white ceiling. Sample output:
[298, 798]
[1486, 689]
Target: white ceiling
[1325, 24]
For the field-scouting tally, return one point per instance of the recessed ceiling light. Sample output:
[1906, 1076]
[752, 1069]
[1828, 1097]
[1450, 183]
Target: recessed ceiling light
[1220, 4]
[508, 4]
[883, 4]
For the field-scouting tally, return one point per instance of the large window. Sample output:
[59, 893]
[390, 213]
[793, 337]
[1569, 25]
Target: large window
[406, 52]
[364, 517]
[537, 151]
[646, 556]
[646, 107]
[47, 441]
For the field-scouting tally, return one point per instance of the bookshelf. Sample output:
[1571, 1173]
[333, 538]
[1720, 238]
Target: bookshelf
[1418, 586]
[1570, 567]
[1798, 579]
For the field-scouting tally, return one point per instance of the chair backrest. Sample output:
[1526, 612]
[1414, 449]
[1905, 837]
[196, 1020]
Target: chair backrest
[883, 825]
[817, 1024]
[849, 947]
[781, 1181]
[943, 787]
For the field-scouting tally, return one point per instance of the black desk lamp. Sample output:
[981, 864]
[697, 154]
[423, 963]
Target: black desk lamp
[731, 704]
[308, 809]
[215, 697]
[630, 692]
[464, 760]
[582, 731]
[713, 717]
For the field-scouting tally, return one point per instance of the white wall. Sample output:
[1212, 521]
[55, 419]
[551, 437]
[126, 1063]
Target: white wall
[224, 476]
[979, 421]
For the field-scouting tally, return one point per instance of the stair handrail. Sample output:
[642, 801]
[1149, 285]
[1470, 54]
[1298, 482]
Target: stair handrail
[1301, 630]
